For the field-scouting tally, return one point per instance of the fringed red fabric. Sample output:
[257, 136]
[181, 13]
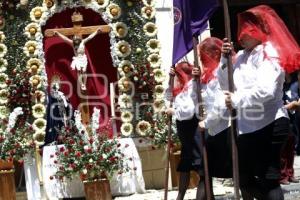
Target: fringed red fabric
[263, 23]
[183, 73]
[210, 53]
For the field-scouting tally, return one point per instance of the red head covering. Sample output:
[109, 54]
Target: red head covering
[210, 53]
[183, 72]
[263, 24]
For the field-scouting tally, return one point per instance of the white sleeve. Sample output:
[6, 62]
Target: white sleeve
[267, 82]
[222, 73]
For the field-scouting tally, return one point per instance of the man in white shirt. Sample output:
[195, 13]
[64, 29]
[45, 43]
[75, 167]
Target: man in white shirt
[263, 123]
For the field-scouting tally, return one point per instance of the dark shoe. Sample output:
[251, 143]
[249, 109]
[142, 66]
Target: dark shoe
[293, 180]
[284, 182]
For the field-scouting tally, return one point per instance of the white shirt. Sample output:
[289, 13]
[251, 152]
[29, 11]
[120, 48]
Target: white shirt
[258, 91]
[185, 105]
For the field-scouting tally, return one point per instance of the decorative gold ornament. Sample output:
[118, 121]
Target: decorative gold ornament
[31, 49]
[114, 11]
[38, 14]
[32, 30]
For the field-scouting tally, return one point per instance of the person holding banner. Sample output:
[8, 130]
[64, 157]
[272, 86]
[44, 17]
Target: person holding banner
[185, 110]
[259, 73]
[217, 115]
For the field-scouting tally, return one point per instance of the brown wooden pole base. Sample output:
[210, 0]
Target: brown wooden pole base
[97, 190]
[7, 185]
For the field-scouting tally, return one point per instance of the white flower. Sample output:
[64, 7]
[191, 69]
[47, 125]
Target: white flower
[32, 31]
[39, 137]
[3, 79]
[3, 65]
[158, 105]
[3, 50]
[159, 75]
[38, 110]
[13, 118]
[126, 129]
[37, 13]
[125, 101]
[39, 124]
[2, 37]
[125, 84]
[153, 46]
[31, 48]
[150, 29]
[113, 11]
[154, 60]
[36, 81]
[39, 96]
[84, 171]
[4, 112]
[120, 29]
[34, 65]
[125, 68]
[149, 2]
[102, 3]
[4, 96]
[159, 91]
[123, 49]
[148, 12]
[126, 116]
[95, 119]
[143, 127]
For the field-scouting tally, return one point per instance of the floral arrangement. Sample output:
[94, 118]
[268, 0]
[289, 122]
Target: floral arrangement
[16, 142]
[135, 50]
[87, 151]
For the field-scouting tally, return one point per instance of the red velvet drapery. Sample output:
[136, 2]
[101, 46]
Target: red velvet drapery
[58, 55]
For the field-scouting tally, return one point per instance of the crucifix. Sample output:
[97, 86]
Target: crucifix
[79, 61]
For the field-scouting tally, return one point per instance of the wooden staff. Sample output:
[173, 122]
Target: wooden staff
[201, 113]
[233, 113]
[171, 86]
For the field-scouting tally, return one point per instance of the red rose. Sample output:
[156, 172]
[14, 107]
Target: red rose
[61, 149]
[51, 156]
[51, 177]
[66, 153]
[78, 154]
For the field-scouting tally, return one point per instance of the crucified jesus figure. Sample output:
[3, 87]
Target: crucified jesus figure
[79, 60]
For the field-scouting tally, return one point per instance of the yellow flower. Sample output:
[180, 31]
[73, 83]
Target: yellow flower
[32, 31]
[120, 29]
[126, 116]
[148, 12]
[149, 2]
[2, 37]
[125, 84]
[143, 127]
[126, 129]
[3, 79]
[39, 96]
[113, 11]
[154, 60]
[3, 50]
[122, 49]
[4, 96]
[39, 137]
[38, 110]
[102, 3]
[125, 101]
[34, 65]
[153, 46]
[125, 68]
[36, 81]
[150, 29]
[37, 13]
[39, 124]
[4, 112]
[158, 105]
[159, 75]
[3, 65]
[159, 91]
[31, 48]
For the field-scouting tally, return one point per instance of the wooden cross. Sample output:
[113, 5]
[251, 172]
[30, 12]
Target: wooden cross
[79, 30]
